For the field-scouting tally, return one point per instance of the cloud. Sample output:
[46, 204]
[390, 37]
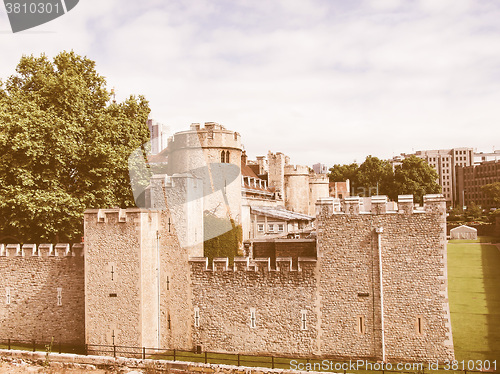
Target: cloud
[325, 81]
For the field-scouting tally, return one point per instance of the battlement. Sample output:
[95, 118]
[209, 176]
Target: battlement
[246, 264]
[351, 205]
[296, 170]
[116, 215]
[211, 135]
[318, 178]
[42, 250]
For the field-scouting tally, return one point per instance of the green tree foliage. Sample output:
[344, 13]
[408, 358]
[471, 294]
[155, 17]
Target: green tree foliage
[492, 190]
[413, 177]
[473, 212]
[376, 174]
[64, 146]
[341, 173]
[225, 245]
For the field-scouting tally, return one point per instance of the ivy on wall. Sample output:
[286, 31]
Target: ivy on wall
[224, 245]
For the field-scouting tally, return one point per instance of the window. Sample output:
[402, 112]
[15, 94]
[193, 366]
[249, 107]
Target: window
[252, 318]
[59, 296]
[303, 319]
[7, 295]
[223, 157]
[281, 227]
[260, 227]
[419, 325]
[270, 227]
[196, 317]
[361, 325]
[227, 157]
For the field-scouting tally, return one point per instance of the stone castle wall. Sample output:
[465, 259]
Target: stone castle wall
[120, 277]
[339, 293]
[32, 279]
[225, 297]
[137, 280]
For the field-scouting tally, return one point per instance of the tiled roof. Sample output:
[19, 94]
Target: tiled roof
[279, 213]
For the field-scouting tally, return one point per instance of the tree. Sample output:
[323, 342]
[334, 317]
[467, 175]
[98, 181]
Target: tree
[473, 212]
[65, 147]
[340, 173]
[414, 177]
[375, 175]
[492, 190]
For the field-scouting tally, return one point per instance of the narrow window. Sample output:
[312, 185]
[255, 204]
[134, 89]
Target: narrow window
[59, 296]
[260, 227]
[112, 270]
[168, 283]
[227, 157]
[361, 325]
[303, 319]
[281, 228]
[252, 318]
[223, 157]
[7, 295]
[419, 326]
[196, 317]
[270, 228]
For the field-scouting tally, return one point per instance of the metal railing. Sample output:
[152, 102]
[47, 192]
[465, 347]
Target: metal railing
[206, 357]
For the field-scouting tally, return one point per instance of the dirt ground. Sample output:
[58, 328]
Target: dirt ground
[18, 366]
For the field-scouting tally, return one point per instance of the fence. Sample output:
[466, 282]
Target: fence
[268, 361]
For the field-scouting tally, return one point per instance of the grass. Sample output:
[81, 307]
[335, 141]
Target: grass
[474, 293]
[480, 239]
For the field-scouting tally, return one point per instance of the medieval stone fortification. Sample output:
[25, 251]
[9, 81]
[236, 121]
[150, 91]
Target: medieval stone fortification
[371, 285]
[375, 288]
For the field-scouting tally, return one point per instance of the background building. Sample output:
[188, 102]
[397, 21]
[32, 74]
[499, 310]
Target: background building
[158, 135]
[320, 168]
[470, 180]
[445, 161]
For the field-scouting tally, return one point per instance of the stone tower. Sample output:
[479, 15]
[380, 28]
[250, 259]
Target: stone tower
[296, 178]
[276, 175]
[137, 282]
[318, 188]
[213, 154]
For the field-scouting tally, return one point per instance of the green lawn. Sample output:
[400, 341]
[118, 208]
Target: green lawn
[474, 292]
[480, 239]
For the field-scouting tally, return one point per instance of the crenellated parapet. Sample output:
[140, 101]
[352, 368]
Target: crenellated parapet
[200, 265]
[378, 205]
[113, 215]
[296, 170]
[211, 135]
[43, 250]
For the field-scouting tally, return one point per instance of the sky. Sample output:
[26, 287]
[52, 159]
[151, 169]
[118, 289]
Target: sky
[328, 81]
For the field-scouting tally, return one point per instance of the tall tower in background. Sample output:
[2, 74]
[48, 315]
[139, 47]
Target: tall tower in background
[158, 135]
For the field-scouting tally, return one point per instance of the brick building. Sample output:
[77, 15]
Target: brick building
[471, 179]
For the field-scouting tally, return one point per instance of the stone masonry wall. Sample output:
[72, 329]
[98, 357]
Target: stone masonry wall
[414, 284]
[137, 280]
[225, 297]
[120, 277]
[33, 282]
[339, 293]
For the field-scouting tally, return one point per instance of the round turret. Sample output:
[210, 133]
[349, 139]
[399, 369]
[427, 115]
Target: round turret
[200, 151]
